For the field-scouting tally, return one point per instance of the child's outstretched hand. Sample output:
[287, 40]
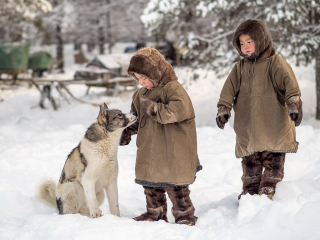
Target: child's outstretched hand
[223, 115]
[125, 138]
[294, 106]
[149, 108]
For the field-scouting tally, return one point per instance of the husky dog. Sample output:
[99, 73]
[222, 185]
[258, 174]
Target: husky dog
[90, 168]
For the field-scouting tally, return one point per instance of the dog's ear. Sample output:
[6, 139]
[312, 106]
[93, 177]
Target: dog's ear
[105, 106]
[103, 115]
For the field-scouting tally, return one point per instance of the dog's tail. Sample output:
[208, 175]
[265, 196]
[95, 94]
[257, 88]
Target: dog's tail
[47, 193]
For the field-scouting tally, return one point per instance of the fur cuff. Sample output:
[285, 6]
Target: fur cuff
[149, 108]
[223, 110]
[293, 104]
[294, 107]
[189, 212]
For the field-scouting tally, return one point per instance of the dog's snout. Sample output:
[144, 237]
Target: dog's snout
[135, 114]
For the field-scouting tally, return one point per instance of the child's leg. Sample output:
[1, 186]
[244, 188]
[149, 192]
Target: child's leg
[156, 205]
[182, 209]
[252, 170]
[273, 172]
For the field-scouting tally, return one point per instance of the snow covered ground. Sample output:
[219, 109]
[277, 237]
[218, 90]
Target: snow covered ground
[34, 144]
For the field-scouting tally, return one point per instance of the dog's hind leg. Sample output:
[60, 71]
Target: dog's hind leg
[84, 210]
[112, 195]
[69, 197]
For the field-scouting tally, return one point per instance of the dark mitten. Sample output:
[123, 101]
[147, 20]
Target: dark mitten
[294, 107]
[223, 115]
[125, 138]
[149, 108]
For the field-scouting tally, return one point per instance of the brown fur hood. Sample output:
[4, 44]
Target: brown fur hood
[150, 63]
[259, 33]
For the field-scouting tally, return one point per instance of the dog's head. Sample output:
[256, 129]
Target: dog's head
[114, 119]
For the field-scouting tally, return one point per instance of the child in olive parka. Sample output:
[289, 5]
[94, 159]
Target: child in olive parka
[265, 96]
[167, 159]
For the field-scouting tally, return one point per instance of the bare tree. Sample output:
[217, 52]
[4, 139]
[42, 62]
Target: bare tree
[14, 14]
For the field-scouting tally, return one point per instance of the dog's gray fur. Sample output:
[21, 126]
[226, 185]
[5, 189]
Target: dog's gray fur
[90, 168]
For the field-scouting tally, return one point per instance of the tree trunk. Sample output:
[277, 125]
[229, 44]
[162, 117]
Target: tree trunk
[77, 46]
[142, 36]
[101, 36]
[316, 20]
[91, 45]
[60, 63]
[318, 86]
[109, 29]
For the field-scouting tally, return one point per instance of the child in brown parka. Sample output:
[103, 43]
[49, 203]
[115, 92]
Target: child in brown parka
[265, 96]
[167, 159]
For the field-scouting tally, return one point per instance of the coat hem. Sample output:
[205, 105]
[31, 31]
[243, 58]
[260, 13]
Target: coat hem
[163, 184]
[159, 184]
[274, 151]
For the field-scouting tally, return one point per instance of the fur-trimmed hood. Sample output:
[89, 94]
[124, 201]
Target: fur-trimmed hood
[150, 63]
[259, 33]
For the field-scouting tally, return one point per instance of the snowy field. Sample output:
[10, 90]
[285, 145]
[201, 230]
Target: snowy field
[34, 144]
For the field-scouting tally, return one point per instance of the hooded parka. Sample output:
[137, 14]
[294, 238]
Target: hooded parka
[167, 147]
[257, 89]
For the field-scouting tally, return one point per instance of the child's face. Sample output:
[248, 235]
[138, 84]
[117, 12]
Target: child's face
[143, 81]
[247, 44]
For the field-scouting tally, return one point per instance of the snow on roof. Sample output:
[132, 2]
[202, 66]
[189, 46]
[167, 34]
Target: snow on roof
[108, 61]
[122, 58]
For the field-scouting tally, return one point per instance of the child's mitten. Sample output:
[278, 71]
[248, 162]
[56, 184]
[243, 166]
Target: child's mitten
[223, 115]
[149, 108]
[127, 133]
[294, 107]
[125, 138]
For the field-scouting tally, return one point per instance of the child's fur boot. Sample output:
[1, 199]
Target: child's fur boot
[156, 205]
[254, 182]
[273, 172]
[182, 209]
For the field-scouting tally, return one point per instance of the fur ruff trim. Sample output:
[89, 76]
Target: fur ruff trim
[293, 104]
[155, 213]
[151, 184]
[259, 33]
[162, 184]
[179, 214]
[151, 64]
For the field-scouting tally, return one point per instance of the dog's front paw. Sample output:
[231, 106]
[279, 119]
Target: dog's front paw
[96, 214]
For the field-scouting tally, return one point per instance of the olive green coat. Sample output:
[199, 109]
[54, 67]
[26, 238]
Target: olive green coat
[257, 92]
[167, 148]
